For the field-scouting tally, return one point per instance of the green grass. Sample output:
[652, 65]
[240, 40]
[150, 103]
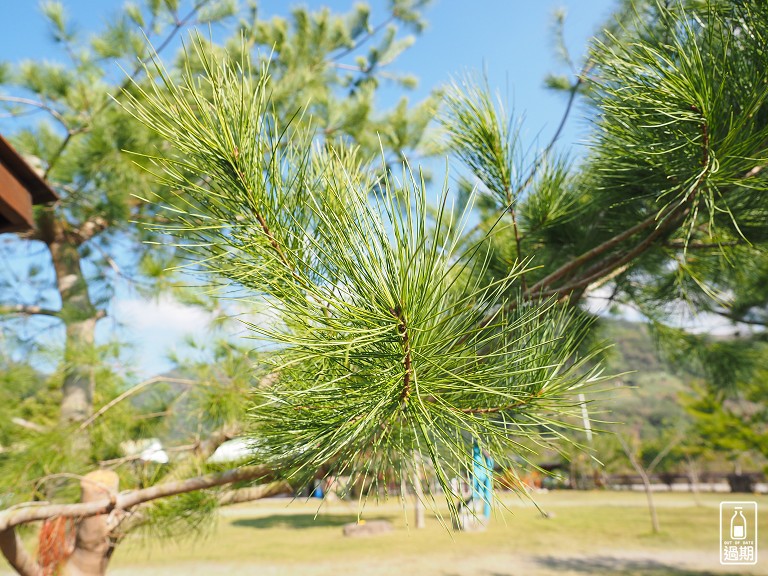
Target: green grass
[604, 533]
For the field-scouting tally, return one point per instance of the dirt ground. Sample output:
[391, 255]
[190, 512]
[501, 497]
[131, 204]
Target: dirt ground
[680, 563]
[600, 533]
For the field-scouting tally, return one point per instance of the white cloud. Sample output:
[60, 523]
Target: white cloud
[157, 327]
[678, 315]
[164, 313]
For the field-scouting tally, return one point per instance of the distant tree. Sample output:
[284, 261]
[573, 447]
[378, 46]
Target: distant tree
[645, 460]
[732, 425]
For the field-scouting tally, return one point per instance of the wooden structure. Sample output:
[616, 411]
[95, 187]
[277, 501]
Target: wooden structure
[20, 188]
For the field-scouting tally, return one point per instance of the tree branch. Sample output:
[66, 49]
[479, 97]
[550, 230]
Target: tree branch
[28, 310]
[402, 329]
[37, 104]
[678, 244]
[663, 452]
[590, 255]
[251, 493]
[9, 519]
[205, 448]
[556, 136]
[28, 425]
[90, 228]
[13, 549]
[130, 392]
[730, 315]
[606, 266]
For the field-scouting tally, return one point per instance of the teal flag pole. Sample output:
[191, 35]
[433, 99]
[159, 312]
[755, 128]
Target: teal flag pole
[482, 480]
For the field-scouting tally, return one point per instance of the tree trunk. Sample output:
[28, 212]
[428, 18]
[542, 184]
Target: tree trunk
[635, 462]
[651, 504]
[418, 492]
[93, 546]
[79, 386]
[693, 479]
[79, 316]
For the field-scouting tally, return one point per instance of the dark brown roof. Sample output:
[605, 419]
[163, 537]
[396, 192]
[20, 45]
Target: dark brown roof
[37, 187]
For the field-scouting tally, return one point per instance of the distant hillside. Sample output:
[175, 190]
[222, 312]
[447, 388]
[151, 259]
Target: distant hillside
[648, 395]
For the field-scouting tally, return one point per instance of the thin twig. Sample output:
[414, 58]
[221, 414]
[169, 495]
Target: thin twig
[130, 392]
[37, 104]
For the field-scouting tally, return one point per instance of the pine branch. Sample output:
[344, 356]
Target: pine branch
[252, 493]
[604, 268]
[589, 255]
[739, 318]
[679, 244]
[518, 240]
[383, 296]
[375, 30]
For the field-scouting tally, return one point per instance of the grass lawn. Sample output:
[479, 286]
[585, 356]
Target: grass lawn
[603, 533]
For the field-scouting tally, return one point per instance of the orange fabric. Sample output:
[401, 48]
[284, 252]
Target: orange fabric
[56, 543]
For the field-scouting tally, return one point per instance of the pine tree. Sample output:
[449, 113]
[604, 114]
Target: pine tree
[401, 328]
[366, 290]
[61, 425]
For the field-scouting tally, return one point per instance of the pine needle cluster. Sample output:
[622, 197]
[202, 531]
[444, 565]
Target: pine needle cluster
[389, 336]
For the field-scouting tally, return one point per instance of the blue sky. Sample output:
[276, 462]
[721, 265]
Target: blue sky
[509, 40]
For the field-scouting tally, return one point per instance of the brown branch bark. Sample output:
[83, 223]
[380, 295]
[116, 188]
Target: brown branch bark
[254, 493]
[402, 329]
[93, 545]
[13, 549]
[666, 218]
[125, 501]
[605, 267]
[589, 255]
[275, 245]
